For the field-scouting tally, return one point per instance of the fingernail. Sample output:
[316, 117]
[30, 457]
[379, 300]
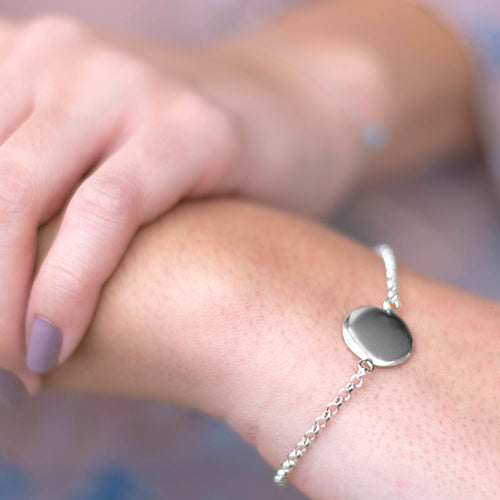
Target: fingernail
[44, 345]
[12, 390]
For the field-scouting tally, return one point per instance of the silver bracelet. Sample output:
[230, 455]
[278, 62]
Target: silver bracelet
[378, 337]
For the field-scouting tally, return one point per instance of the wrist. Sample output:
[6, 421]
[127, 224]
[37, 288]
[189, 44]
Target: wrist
[396, 428]
[302, 148]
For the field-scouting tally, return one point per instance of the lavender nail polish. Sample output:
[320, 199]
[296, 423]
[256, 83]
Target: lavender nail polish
[12, 390]
[44, 345]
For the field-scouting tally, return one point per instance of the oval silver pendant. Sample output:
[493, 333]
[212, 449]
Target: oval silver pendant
[372, 333]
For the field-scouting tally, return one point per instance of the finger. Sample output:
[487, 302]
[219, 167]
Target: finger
[134, 186]
[37, 172]
[16, 85]
[16, 253]
[52, 150]
[16, 105]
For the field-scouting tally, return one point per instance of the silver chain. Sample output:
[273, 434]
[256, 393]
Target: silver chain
[365, 366]
[392, 303]
[356, 380]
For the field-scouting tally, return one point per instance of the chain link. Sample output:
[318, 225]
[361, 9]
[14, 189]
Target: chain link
[392, 303]
[365, 366]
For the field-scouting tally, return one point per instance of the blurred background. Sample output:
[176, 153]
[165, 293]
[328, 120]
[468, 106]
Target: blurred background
[444, 222]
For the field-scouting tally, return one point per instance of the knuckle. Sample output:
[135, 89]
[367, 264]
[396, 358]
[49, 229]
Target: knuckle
[207, 118]
[63, 283]
[190, 105]
[49, 117]
[17, 194]
[223, 135]
[55, 26]
[124, 67]
[216, 129]
[112, 198]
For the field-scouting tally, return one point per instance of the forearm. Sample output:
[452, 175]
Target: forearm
[322, 72]
[236, 310]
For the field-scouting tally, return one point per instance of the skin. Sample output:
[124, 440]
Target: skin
[235, 310]
[121, 130]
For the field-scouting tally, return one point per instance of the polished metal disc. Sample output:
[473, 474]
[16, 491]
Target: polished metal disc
[372, 333]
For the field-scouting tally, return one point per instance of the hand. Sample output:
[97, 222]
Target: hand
[84, 120]
[235, 310]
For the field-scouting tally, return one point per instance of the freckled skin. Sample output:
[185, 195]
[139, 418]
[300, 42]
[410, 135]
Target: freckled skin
[236, 310]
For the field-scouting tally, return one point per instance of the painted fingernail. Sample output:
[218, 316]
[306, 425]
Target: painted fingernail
[44, 345]
[12, 390]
